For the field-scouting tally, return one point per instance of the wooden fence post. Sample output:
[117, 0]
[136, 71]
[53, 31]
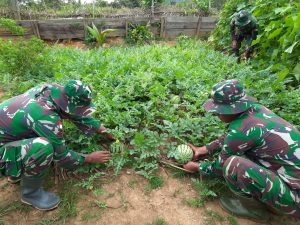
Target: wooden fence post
[126, 28]
[162, 27]
[199, 27]
[35, 28]
[85, 24]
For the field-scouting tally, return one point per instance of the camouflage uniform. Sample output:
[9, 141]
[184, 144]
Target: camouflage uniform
[241, 30]
[31, 132]
[260, 155]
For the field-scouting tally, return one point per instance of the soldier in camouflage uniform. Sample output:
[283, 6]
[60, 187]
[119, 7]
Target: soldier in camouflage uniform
[259, 157]
[31, 136]
[243, 26]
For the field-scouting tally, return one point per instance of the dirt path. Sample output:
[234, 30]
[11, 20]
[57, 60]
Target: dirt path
[124, 201]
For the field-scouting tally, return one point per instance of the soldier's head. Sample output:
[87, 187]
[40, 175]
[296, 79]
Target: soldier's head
[228, 100]
[242, 18]
[73, 99]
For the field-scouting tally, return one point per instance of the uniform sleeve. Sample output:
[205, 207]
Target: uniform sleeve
[86, 124]
[216, 145]
[50, 127]
[232, 29]
[235, 143]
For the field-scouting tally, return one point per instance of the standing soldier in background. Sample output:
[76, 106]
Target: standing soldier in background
[31, 136]
[243, 26]
[259, 157]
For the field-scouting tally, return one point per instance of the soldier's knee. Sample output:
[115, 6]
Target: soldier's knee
[231, 164]
[45, 144]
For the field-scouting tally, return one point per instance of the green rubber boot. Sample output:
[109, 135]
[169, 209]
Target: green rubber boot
[245, 207]
[33, 194]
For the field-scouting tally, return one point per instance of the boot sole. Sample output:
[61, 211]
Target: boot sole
[12, 181]
[27, 203]
[243, 217]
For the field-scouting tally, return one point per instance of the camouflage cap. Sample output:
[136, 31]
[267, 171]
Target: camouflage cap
[242, 18]
[228, 97]
[75, 98]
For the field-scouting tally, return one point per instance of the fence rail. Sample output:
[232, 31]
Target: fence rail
[165, 27]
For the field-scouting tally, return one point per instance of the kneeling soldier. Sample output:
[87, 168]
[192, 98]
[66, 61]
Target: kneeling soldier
[259, 157]
[31, 136]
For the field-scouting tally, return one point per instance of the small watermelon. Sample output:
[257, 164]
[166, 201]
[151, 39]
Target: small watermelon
[116, 147]
[183, 154]
[175, 99]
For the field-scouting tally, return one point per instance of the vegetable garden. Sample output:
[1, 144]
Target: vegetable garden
[150, 96]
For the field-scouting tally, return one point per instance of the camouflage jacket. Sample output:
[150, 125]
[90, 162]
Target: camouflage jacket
[249, 29]
[263, 137]
[33, 114]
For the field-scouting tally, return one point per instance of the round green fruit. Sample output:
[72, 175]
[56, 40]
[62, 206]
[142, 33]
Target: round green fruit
[184, 154]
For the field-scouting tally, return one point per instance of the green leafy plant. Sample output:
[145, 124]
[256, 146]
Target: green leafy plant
[277, 44]
[23, 63]
[139, 34]
[100, 36]
[12, 26]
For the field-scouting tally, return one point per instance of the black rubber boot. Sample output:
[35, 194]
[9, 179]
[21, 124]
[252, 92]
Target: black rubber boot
[33, 194]
[245, 207]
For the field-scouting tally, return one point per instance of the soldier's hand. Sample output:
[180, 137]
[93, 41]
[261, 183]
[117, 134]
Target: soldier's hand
[102, 130]
[198, 151]
[192, 167]
[98, 157]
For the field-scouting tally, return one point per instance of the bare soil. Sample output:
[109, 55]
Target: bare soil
[125, 201]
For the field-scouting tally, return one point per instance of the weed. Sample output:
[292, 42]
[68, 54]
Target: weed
[212, 217]
[158, 221]
[133, 183]
[154, 183]
[194, 202]
[139, 34]
[232, 220]
[89, 183]
[101, 204]
[67, 207]
[99, 191]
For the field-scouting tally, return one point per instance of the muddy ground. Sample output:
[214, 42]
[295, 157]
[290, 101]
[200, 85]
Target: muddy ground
[125, 200]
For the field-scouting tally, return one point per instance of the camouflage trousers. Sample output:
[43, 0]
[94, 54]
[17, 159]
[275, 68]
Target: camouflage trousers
[239, 40]
[246, 177]
[31, 157]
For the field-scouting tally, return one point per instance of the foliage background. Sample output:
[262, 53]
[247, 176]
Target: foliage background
[277, 45]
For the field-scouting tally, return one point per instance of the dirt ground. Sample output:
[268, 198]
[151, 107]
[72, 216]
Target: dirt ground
[124, 201]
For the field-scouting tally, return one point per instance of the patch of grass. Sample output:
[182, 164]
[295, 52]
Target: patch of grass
[158, 221]
[99, 191]
[154, 183]
[124, 201]
[212, 217]
[194, 202]
[89, 184]
[208, 190]
[67, 207]
[133, 183]
[47, 221]
[89, 216]
[101, 204]
[232, 220]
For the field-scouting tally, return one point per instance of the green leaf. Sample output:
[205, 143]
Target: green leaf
[296, 72]
[282, 74]
[275, 33]
[290, 49]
